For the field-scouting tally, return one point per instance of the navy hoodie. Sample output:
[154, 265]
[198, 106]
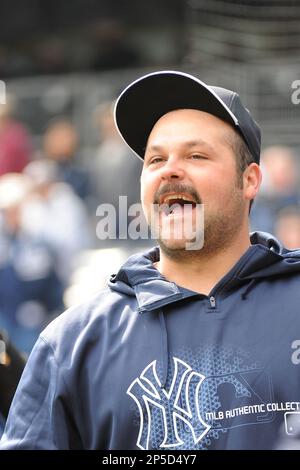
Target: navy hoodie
[150, 365]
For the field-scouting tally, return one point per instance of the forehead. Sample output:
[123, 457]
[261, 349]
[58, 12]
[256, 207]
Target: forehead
[180, 124]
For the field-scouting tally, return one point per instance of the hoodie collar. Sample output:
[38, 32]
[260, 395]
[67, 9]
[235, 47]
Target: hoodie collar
[151, 289]
[271, 258]
[138, 277]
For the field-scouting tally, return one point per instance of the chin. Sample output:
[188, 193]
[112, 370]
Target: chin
[173, 247]
[174, 244]
[174, 241]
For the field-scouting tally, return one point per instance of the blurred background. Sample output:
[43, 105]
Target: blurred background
[64, 63]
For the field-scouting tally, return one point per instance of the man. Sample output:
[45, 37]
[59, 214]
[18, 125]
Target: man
[15, 141]
[190, 347]
[31, 293]
[11, 367]
[287, 227]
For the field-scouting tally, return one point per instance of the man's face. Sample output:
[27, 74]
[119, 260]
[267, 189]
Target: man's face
[189, 161]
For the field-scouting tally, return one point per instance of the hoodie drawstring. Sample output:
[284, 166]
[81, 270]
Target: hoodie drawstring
[165, 349]
[248, 288]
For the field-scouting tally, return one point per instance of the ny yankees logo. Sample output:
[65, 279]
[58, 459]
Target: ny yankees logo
[167, 416]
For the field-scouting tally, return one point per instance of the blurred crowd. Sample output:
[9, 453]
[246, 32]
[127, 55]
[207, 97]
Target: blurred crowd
[48, 201]
[277, 208]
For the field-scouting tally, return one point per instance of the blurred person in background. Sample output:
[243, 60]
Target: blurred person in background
[113, 169]
[280, 187]
[12, 363]
[31, 294]
[15, 141]
[287, 227]
[57, 216]
[60, 145]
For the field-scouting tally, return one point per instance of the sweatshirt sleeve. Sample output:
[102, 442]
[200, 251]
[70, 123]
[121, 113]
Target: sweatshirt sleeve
[39, 417]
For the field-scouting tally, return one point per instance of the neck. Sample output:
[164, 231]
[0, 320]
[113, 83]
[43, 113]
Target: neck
[202, 271]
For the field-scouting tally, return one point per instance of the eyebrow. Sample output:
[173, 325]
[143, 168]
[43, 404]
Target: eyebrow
[188, 144]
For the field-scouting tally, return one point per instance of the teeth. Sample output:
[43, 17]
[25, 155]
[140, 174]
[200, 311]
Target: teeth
[171, 197]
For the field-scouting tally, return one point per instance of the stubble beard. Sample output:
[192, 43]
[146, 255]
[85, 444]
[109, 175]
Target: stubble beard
[220, 229]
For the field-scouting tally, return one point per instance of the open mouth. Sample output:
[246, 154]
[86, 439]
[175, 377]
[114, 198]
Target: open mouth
[176, 203]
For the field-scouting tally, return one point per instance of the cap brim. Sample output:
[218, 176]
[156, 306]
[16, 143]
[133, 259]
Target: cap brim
[147, 99]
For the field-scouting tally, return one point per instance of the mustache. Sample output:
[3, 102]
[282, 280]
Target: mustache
[177, 188]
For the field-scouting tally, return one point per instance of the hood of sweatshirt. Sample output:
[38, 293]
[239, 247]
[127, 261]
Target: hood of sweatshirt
[265, 258]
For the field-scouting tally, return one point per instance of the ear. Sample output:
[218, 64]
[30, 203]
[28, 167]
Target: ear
[251, 181]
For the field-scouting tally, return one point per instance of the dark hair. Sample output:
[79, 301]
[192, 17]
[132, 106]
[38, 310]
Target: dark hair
[243, 158]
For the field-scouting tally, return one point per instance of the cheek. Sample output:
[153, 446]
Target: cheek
[143, 188]
[147, 194]
[217, 189]
[147, 188]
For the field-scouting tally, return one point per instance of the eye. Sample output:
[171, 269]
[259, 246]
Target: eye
[198, 156]
[155, 160]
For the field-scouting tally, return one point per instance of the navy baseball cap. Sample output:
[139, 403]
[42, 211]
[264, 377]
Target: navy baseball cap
[148, 98]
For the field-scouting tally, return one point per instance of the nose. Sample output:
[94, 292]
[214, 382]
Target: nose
[172, 170]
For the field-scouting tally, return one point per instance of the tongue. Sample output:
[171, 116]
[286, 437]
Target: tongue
[181, 209]
[176, 209]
